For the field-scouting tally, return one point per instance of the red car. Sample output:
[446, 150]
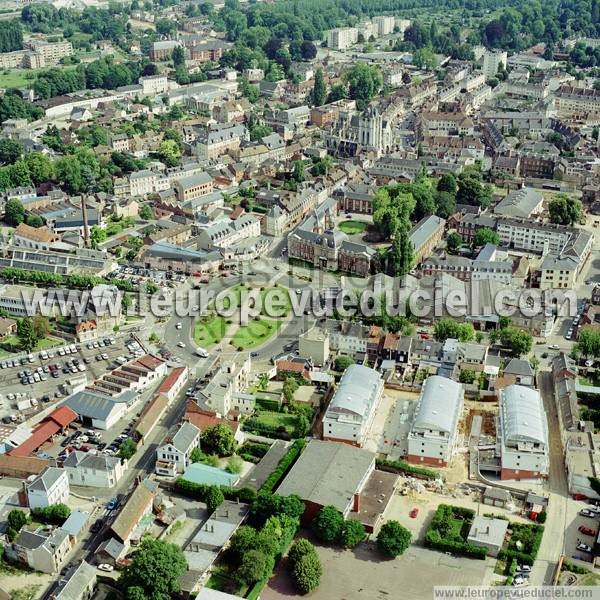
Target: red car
[84, 448]
[413, 513]
[587, 531]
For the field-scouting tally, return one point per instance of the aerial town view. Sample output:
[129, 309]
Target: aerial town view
[299, 298]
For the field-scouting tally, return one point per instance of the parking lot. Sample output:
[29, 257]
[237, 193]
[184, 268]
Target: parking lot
[363, 573]
[33, 382]
[581, 530]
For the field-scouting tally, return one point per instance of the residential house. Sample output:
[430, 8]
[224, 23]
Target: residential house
[174, 455]
[49, 487]
[94, 470]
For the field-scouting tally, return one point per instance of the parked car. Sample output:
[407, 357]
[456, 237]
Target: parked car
[112, 504]
[97, 526]
[413, 513]
[586, 512]
[106, 567]
[583, 547]
[524, 569]
[587, 531]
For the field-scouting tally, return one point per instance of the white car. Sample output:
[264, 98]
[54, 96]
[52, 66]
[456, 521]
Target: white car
[589, 363]
[106, 567]
[583, 547]
[553, 347]
[178, 326]
[181, 344]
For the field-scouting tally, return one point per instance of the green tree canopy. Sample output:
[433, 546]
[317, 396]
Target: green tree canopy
[393, 539]
[328, 524]
[564, 210]
[14, 212]
[219, 440]
[155, 568]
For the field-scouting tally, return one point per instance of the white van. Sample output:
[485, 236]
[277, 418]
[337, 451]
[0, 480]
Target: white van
[202, 352]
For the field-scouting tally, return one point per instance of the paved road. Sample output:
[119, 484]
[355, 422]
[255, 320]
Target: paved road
[553, 542]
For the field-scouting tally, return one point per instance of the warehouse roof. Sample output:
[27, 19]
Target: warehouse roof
[328, 473]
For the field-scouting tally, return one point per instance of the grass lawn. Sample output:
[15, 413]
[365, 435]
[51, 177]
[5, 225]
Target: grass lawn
[219, 580]
[210, 330]
[585, 381]
[18, 78]
[277, 419]
[588, 579]
[351, 227]
[11, 345]
[255, 333]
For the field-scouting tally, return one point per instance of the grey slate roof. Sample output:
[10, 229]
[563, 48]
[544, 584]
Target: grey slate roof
[185, 436]
[45, 480]
[81, 578]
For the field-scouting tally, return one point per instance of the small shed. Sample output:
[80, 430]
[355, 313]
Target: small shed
[488, 532]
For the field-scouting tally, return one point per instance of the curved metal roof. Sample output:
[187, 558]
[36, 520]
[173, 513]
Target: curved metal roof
[523, 416]
[439, 404]
[356, 391]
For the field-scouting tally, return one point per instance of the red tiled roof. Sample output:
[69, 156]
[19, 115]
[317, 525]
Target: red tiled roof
[203, 419]
[63, 415]
[292, 367]
[50, 426]
[149, 362]
[171, 380]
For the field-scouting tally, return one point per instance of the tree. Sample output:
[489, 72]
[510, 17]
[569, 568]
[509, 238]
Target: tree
[393, 539]
[213, 499]
[26, 334]
[319, 88]
[519, 342]
[14, 212]
[364, 81]
[328, 524]
[353, 533]
[290, 385]
[255, 565]
[484, 236]
[97, 234]
[10, 151]
[337, 92]
[307, 572]
[467, 376]
[41, 326]
[128, 449]
[308, 50]
[169, 153]
[588, 343]
[235, 465]
[219, 440]
[424, 58]
[196, 455]
[34, 220]
[55, 514]
[447, 183]
[146, 213]
[268, 505]
[298, 171]
[343, 362]
[450, 329]
[16, 519]
[155, 569]
[40, 167]
[178, 57]
[453, 242]
[564, 210]
[471, 191]
[445, 204]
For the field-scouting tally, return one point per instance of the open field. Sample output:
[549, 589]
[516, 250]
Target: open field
[352, 227]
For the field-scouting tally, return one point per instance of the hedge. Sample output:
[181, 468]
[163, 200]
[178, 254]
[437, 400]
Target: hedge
[270, 405]
[198, 491]
[433, 539]
[255, 449]
[399, 466]
[521, 557]
[438, 537]
[282, 467]
[271, 431]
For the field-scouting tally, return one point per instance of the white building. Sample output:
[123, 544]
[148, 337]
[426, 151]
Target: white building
[342, 38]
[51, 486]
[522, 434]
[383, 25]
[433, 433]
[492, 60]
[174, 455]
[154, 84]
[94, 470]
[352, 408]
